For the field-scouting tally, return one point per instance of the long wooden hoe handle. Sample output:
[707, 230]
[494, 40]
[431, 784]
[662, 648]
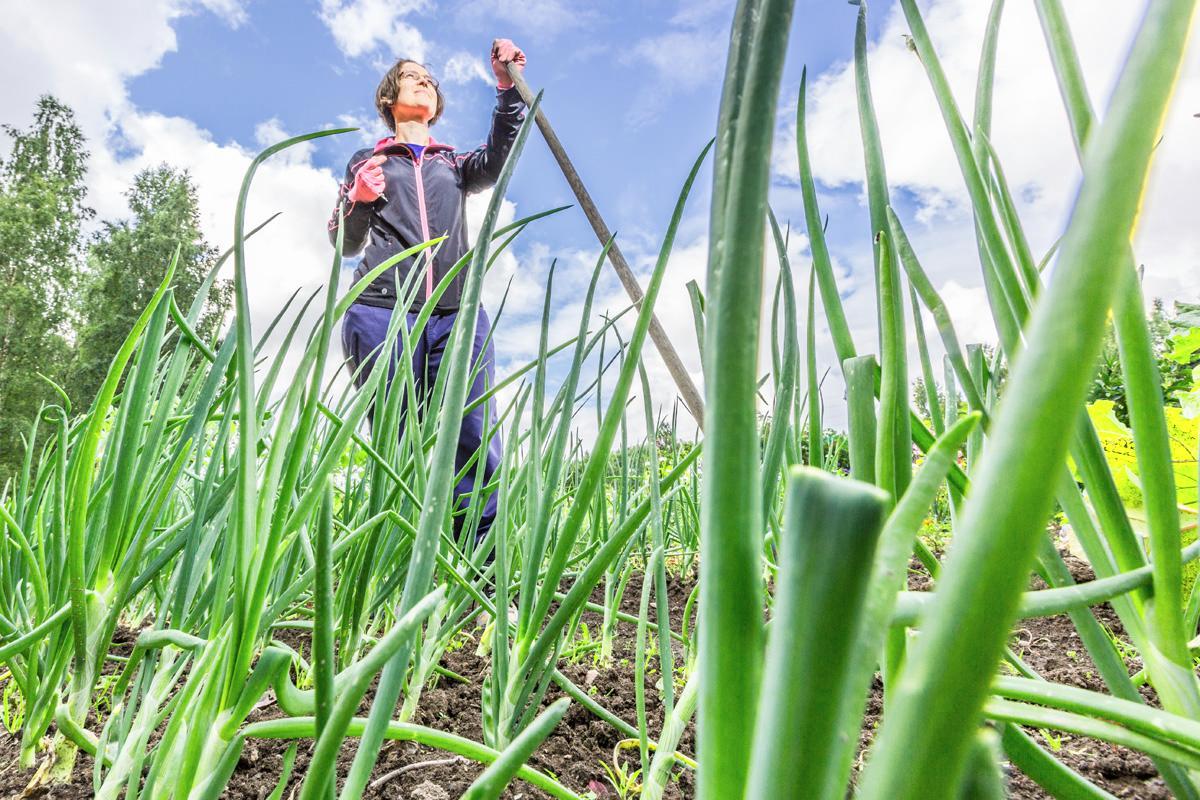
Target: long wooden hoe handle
[687, 389]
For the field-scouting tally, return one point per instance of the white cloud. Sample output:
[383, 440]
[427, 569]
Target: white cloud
[700, 12]
[682, 58]
[83, 57]
[370, 127]
[969, 311]
[678, 59]
[462, 67]
[364, 27]
[84, 54]
[232, 11]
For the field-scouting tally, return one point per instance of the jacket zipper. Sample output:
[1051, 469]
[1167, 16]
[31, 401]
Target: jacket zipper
[424, 227]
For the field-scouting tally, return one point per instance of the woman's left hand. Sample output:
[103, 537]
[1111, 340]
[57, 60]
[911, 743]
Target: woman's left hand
[503, 52]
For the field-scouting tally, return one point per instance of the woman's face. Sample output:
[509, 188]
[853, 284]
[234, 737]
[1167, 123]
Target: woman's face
[416, 97]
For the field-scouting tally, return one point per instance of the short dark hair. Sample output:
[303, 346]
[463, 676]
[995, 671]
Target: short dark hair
[386, 93]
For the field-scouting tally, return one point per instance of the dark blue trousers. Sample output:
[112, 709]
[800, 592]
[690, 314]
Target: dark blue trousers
[364, 329]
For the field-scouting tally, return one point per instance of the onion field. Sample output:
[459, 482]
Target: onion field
[228, 579]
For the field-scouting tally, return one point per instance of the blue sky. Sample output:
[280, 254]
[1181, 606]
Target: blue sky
[632, 89]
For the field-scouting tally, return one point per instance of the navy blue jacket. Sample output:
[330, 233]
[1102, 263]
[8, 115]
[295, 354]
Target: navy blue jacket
[423, 198]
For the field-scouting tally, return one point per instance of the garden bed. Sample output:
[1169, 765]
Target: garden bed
[579, 750]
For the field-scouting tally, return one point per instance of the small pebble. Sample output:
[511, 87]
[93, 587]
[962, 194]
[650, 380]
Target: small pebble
[429, 791]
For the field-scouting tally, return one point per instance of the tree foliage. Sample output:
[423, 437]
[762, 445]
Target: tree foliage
[126, 262]
[1109, 383]
[42, 216]
[67, 302]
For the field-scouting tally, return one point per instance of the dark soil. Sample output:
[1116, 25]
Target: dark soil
[14, 780]
[1052, 647]
[576, 752]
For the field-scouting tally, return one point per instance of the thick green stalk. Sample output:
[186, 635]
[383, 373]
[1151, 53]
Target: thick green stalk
[1051, 602]
[842, 343]
[830, 531]
[731, 524]
[1043, 717]
[839, 329]
[893, 454]
[323, 655]
[1130, 322]
[537, 496]
[493, 690]
[785, 376]
[1008, 299]
[987, 70]
[876, 181]
[1135, 716]
[1111, 669]
[893, 450]
[993, 250]
[1067, 71]
[290, 454]
[816, 456]
[887, 571]
[666, 661]
[245, 521]
[920, 283]
[1012, 221]
[936, 419]
[860, 373]
[339, 724]
[673, 727]
[543, 488]
[983, 779]
[82, 477]
[981, 129]
[975, 361]
[639, 661]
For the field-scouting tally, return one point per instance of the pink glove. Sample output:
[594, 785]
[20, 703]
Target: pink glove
[504, 51]
[368, 181]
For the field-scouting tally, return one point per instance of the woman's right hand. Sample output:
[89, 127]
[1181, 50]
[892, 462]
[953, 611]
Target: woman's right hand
[504, 52]
[368, 181]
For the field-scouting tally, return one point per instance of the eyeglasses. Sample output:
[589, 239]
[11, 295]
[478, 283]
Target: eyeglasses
[419, 78]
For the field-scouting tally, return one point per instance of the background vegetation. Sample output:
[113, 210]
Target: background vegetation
[69, 291]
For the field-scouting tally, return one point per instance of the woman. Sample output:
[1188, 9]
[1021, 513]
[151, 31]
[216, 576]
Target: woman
[408, 189]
